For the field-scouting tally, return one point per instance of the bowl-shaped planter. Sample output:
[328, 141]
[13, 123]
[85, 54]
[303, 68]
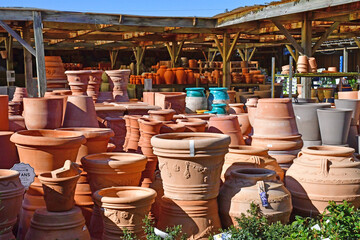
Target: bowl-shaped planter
[162, 115]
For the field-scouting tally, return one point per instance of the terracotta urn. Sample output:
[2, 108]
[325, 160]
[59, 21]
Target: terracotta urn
[124, 208]
[78, 81]
[162, 115]
[93, 87]
[348, 95]
[193, 124]
[80, 112]
[240, 157]
[228, 125]
[190, 77]
[171, 100]
[244, 122]
[256, 185]
[43, 113]
[11, 195]
[9, 155]
[199, 218]
[4, 113]
[47, 225]
[169, 76]
[190, 163]
[118, 80]
[318, 166]
[181, 75]
[161, 73]
[236, 108]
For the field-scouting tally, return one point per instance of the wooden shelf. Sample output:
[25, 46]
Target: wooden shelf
[338, 74]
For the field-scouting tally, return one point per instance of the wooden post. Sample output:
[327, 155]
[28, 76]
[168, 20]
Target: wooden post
[40, 54]
[273, 77]
[252, 53]
[174, 51]
[113, 57]
[139, 56]
[241, 54]
[290, 76]
[346, 60]
[28, 70]
[307, 46]
[226, 62]
[10, 55]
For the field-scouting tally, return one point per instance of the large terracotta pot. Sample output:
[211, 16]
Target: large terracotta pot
[4, 113]
[58, 225]
[43, 113]
[78, 81]
[9, 155]
[171, 100]
[245, 186]
[169, 76]
[162, 114]
[321, 174]
[181, 76]
[124, 208]
[244, 122]
[161, 73]
[228, 125]
[240, 157]
[11, 194]
[198, 219]
[80, 112]
[236, 108]
[190, 163]
[193, 124]
[118, 80]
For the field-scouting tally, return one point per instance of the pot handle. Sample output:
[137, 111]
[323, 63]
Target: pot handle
[324, 166]
[299, 154]
[256, 160]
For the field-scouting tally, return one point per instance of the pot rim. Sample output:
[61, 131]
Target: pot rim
[253, 173]
[221, 118]
[149, 121]
[334, 110]
[76, 72]
[328, 150]
[90, 132]
[274, 100]
[5, 133]
[96, 158]
[247, 149]
[146, 194]
[9, 174]
[56, 97]
[161, 112]
[236, 104]
[44, 178]
[96, 71]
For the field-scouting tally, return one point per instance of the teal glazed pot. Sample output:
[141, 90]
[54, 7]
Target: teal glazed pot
[218, 108]
[195, 100]
[218, 95]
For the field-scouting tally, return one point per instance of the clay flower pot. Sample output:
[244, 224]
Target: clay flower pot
[9, 155]
[124, 208]
[190, 163]
[198, 218]
[228, 125]
[80, 112]
[4, 113]
[348, 95]
[181, 76]
[161, 72]
[243, 186]
[43, 113]
[244, 122]
[11, 195]
[334, 125]
[171, 100]
[133, 143]
[118, 80]
[172, 128]
[78, 81]
[240, 157]
[162, 115]
[58, 192]
[193, 124]
[236, 108]
[317, 166]
[231, 94]
[55, 225]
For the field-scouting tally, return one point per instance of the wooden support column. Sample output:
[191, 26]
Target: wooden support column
[241, 54]
[10, 54]
[174, 51]
[40, 54]
[113, 57]
[325, 36]
[28, 70]
[357, 41]
[139, 56]
[252, 53]
[291, 52]
[288, 36]
[306, 34]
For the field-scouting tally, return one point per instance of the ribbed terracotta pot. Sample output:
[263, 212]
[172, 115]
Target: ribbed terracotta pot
[243, 187]
[78, 81]
[124, 208]
[198, 218]
[162, 114]
[43, 113]
[118, 80]
[236, 108]
[172, 128]
[193, 124]
[228, 125]
[9, 155]
[240, 157]
[11, 195]
[80, 112]
[190, 163]
[58, 225]
[321, 174]
[133, 142]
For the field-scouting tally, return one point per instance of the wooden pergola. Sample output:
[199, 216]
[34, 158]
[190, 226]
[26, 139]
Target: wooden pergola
[302, 25]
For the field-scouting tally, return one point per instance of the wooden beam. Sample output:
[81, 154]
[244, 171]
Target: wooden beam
[232, 46]
[290, 51]
[139, 56]
[218, 45]
[226, 63]
[306, 35]
[178, 50]
[325, 36]
[246, 53]
[10, 53]
[252, 54]
[113, 57]
[40, 55]
[28, 70]
[288, 36]
[357, 41]
[241, 54]
[17, 37]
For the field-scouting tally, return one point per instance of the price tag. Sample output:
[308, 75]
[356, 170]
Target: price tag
[27, 173]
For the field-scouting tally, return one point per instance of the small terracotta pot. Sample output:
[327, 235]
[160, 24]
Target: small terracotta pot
[228, 125]
[133, 143]
[80, 112]
[181, 76]
[162, 115]
[124, 208]
[236, 108]
[244, 122]
[55, 225]
[172, 128]
[58, 192]
[193, 124]
[9, 155]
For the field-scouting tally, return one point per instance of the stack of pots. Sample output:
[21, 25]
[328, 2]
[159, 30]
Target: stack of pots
[93, 88]
[312, 64]
[302, 64]
[218, 95]
[228, 125]
[307, 122]
[195, 100]
[118, 84]
[275, 128]
[78, 81]
[19, 94]
[54, 67]
[190, 165]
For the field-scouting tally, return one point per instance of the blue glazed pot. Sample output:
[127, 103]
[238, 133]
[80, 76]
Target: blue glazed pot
[195, 92]
[195, 100]
[218, 95]
[218, 108]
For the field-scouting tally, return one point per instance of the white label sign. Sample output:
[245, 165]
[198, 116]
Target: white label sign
[27, 173]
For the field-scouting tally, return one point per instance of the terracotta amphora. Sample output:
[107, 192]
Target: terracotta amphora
[199, 219]
[228, 125]
[162, 114]
[181, 75]
[190, 163]
[256, 185]
[11, 195]
[240, 157]
[4, 113]
[9, 155]
[80, 112]
[161, 73]
[47, 225]
[124, 208]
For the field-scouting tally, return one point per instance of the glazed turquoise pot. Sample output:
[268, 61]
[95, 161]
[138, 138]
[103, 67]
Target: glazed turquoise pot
[218, 108]
[195, 100]
[218, 95]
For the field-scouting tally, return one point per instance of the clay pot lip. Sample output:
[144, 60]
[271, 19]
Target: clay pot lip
[218, 88]
[173, 125]
[149, 121]
[334, 110]
[117, 158]
[4, 133]
[96, 71]
[236, 104]
[111, 195]
[240, 114]
[76, 84]
[25, 137]
[76, 72]
[201, 140]
[306, 105]
[328, 150]
[45, 177]
[252, 173]
[162, 112]
[195, 89]
[222, 118]
[134, 117]
[91, 132]
[117, 71]
[247, 149]
[55, 97]
[346, 100]
[8, 173]
[274, 100]
[283, 138]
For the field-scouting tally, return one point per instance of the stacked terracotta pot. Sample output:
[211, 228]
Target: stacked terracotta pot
[302, 64]
[190, 165]
[94, 83]
[55, 77]
[118, 84]
[78, 81]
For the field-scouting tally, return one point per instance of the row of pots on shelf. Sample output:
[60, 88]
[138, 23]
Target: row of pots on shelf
[166, 76]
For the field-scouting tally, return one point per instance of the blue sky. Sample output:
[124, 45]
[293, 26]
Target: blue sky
[199, 8]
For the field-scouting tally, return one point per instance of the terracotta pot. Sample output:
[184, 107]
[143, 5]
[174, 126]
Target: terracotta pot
[57, 225]
[231, 94]
[243, 119]
[117, 124]
[63, 92]
[43, 113]
[318, 166]
[162, 115]
[124, 208]
[15, 108]
[193, 124]
[236, 108]
[243, 186]
[190, 173]
[78, 81]
[334, 125]
[228, 125]
[9, 155]
[83, 197]
[80, 112]
[199, 219]
[54, 68]
[128, 132]
[332, 69]
[161, 73]
[169, 76]
[348, 95]
[95, 80]
[118, 80]
[190, 77]
[58, 192]
[181, 76]
[172, 128]
[193, 63]
[240, 157]
[133, 143]
[171, 100]
[11, 194]
[352, 104]
[312, 63]
[97, 140]
[157, 185]
[4, 113]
